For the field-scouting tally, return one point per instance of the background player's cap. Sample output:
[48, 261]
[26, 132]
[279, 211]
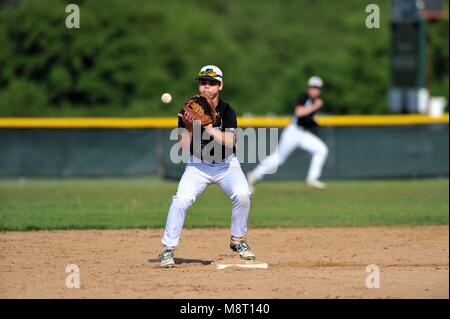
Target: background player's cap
[315, 81]
[210, 72]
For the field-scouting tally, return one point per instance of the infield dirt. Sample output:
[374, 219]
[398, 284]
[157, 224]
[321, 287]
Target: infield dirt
[303, 263]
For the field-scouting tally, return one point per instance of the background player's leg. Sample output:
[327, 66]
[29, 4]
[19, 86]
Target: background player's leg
[319, 151]
[192, 183]
[288, 142]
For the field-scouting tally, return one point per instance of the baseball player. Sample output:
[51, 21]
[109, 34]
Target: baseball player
[301, 133]
[200, 172]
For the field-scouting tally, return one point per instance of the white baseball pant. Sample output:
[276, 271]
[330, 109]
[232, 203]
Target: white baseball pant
[196, 177]
[292, 137]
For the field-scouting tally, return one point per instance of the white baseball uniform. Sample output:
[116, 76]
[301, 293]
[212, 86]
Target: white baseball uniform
[199, 173]
[196, 177]
[298, 134]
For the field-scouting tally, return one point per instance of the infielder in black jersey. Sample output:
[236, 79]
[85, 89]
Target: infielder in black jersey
[225, 122]
[208, 165]
[301, 133]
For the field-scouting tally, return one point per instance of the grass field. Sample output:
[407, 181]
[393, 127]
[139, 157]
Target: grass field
[143, 202]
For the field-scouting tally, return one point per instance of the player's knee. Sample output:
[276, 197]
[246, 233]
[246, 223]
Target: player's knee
[274, 161]
[323, 151]
[181, 202]
[280, 161]
[241, 199]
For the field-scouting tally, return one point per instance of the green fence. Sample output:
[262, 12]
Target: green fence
[356, 152]
[78, 152]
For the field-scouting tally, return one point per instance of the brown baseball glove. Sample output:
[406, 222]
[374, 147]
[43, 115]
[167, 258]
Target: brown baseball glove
[199, 108]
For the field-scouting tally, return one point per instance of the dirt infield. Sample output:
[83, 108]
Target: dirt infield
[303, 263]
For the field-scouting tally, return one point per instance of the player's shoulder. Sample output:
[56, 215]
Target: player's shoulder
[225, 108]
[303, 95]
[227, 114]
[302, 98]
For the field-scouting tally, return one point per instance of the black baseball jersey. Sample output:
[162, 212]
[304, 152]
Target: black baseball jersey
[226, 121]
[307, 122]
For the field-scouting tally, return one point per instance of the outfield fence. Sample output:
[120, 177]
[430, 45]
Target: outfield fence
[391, 146]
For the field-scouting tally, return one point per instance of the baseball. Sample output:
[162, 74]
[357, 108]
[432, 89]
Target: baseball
[166, 98]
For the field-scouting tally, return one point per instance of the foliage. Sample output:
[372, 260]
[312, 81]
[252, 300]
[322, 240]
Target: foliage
[126, 54]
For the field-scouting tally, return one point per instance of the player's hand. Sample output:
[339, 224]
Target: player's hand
[209, 129]
[318, 103]
[189, 117]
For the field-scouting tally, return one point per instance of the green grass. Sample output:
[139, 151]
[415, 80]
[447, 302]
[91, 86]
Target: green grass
[144, 202]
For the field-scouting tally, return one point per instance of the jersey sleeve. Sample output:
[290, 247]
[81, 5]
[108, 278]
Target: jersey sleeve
[229, 119]
[180, 119]
[302, 98]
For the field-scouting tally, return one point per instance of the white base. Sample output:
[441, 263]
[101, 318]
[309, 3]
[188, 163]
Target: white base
[245, 264]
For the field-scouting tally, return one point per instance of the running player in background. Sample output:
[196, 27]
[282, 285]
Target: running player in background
[301, 133]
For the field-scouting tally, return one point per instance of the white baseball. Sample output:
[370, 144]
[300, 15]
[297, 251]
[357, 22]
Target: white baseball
[166, 98]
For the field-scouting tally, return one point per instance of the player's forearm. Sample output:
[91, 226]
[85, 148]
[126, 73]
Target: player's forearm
[302, 111]
[226, 138]
[229, 139]
[185, 140]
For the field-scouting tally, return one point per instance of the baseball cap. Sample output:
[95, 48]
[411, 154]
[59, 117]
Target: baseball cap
[315, 81]
[210, 72]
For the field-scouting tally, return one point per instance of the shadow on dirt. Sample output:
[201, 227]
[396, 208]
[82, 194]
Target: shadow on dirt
[179, 261]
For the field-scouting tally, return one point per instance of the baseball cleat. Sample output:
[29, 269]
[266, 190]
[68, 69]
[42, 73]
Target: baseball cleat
[242, 248]
[166, 258]
[315, 183]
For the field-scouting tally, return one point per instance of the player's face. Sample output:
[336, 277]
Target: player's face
[314, 92]
[210, 88]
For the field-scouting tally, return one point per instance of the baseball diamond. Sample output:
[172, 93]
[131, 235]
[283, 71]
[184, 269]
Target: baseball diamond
[310, 250]
[317, 263]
